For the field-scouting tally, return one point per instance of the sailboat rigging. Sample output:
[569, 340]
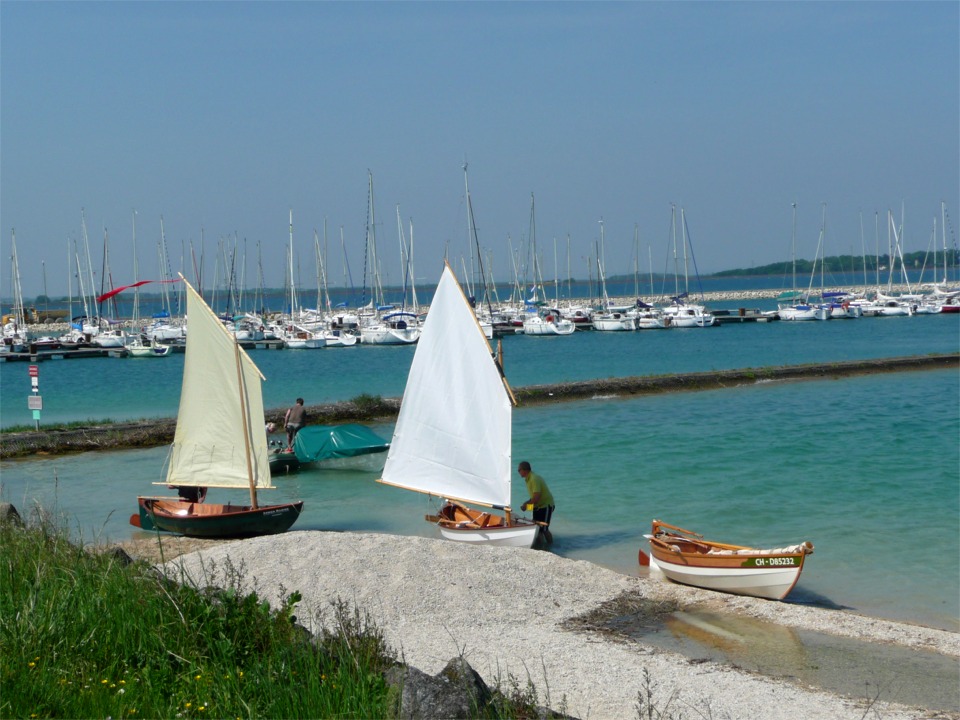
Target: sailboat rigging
[453, 435]
[219, 440]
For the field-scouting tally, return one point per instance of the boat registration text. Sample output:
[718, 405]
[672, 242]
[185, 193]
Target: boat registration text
[771, 562]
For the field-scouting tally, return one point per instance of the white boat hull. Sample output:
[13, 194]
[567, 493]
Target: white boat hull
[799, 313]
[148, 350]
[340, 339]
[538, 326]
[314, 343]
[108, 341]
[772, 583]
[389, 336]
[613, 324]
[519, 536]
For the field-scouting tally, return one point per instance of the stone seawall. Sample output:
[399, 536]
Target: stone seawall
[151, 433]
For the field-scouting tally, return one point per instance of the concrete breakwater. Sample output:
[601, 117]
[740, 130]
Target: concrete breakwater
[151, 433]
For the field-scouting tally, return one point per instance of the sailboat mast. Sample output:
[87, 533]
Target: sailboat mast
[686, 261]
[89, 266]
[19, 313]
[246, 424]
[673, 232]
[943, 232]
[876, 238]
[863, 251]
[293, 290]
[474, 242]
[793, 246]
[136, 279]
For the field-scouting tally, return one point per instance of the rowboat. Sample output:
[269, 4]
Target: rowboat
[685, 557]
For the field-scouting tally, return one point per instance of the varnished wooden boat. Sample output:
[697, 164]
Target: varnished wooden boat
[212, 520]
[459, 522]
[685, 557]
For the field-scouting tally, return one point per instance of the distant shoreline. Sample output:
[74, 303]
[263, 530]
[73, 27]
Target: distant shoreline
[153, 433]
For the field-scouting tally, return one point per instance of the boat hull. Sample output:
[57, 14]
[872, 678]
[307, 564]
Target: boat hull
[210, 520]
[686, 558]
[389, 336]
[771, 583]
[140, 351]
[613, 323]
[282, 463]
[537, 327]
[462, 524]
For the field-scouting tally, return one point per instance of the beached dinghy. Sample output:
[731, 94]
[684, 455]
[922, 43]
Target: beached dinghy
[219, 441]
[452, 437]
[685, 557]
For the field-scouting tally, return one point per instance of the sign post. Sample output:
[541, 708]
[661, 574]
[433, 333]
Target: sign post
[34, 401]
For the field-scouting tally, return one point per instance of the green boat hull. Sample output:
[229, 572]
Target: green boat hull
[207, 520]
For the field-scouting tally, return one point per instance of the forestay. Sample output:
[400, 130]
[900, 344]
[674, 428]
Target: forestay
[220, 418]
[453, 433]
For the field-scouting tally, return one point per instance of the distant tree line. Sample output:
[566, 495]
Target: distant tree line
[845, 263]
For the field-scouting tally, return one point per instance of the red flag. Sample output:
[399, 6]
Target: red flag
[108, 295]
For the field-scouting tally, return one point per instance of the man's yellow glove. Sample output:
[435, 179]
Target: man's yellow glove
[527, 506]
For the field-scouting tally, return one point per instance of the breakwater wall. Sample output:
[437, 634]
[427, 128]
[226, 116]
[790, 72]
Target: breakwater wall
[151, 433]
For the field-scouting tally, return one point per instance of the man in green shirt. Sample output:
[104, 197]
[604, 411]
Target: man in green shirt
[541, 499]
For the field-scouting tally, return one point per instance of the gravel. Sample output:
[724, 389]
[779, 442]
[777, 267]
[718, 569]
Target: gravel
[507, 611]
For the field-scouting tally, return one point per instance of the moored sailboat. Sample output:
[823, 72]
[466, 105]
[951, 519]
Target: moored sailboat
[453, 434]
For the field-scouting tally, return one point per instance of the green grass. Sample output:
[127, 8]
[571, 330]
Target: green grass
[83, 635]
[73, 425]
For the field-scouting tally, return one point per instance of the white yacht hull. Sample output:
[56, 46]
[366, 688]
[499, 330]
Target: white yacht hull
[613, 324]
[538, 326]
[389, 336]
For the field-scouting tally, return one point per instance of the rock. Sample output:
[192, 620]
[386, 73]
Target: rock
[120, 555]
[457, 691]
[9, 514]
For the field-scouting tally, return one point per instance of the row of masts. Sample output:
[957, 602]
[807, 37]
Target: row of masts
[228, 287]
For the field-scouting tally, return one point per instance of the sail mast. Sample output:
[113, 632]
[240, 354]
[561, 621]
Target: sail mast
[245, 422]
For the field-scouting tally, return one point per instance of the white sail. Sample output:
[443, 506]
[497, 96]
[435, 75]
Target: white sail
[220, 420]
[453, 433]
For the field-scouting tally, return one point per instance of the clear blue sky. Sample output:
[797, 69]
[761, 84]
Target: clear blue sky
[224, 116]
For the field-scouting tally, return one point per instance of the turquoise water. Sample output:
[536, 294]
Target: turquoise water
[130, 388]
[866, 468]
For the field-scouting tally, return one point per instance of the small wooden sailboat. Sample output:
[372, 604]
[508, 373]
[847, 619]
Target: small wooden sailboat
[685, 557]
[219, 440]
[453, 434]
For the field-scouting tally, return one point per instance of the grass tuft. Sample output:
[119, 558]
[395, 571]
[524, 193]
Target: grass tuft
[85, 635]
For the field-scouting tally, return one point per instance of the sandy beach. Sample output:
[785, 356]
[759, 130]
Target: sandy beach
[513, 613]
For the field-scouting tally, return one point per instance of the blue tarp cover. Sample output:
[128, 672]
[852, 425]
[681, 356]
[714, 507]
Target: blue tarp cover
[322, 442]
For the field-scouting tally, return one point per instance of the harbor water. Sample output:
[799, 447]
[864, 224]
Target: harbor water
[866, 468]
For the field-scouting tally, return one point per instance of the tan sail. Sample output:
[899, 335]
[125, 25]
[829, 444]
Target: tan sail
[220, 420]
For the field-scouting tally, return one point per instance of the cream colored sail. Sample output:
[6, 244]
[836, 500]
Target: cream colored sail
[220, 419]
[453, 433]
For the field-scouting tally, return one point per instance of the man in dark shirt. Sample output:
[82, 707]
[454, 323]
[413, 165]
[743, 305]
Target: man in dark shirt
[293, 421]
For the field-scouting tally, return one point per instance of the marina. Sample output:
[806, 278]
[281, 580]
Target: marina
[778, 460]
